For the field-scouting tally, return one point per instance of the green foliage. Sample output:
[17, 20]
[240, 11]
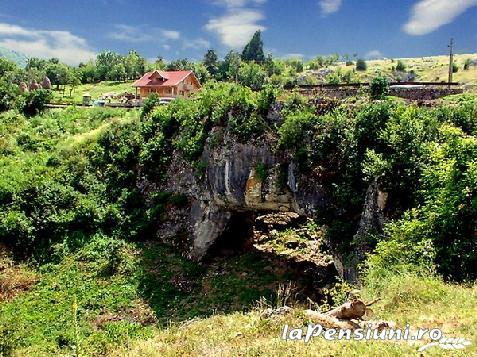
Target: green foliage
[378, 88]
[150, 103]
[253, 51]
[6, 66]
[8, 95]
[400, 66]
[467, 64]
[252, 75]
[261, 171]
[293, 130]
[211, 62]
[455, 68]
[361, 65]
[35, 101]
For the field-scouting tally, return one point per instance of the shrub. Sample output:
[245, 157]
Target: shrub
[467, 64]
[252, 75]
[8, 95]
[35, 101]
[292, 131]
[379, 88]
[401, 67]
[150, 103]
[361, 65]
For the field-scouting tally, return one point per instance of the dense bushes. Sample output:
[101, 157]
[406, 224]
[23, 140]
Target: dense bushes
[424, 159]
[34, 102]
[68, 174]
[65, 175]
[30, 103]
[379, 88]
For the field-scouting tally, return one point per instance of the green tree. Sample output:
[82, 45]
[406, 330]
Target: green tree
[58, 73]
[134, 65]
[8, 95]
[252, 75]
[211, 63]
[253, 51]
[182, 64]
[467, 64]
[201, 73]
[379, 88]
[6, 66]
[117, 73]
[105, 62]
[361, 65]
[35, 101]
[74, 80]
[36, 63]
[400, 66]
[87, 72]
[229, 68]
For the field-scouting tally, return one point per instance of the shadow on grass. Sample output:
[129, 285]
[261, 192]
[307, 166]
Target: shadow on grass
[178, 289]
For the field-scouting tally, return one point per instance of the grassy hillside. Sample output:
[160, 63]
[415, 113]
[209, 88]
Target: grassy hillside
[420, 302]
[116, 298]
[96, 90]
[434, 68]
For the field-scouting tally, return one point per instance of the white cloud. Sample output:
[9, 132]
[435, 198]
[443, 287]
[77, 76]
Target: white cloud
[294, 56]
[64, 45]
[170, 34]
[142, 33]
[238, 3]
[197, 44]
[428, 15]
[374, 54]
[330, 6]
[236, 27]
[240, 21]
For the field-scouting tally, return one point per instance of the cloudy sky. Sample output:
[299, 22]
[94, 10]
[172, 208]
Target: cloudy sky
[76, 30]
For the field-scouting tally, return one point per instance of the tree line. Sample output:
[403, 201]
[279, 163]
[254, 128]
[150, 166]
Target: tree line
[250, 67]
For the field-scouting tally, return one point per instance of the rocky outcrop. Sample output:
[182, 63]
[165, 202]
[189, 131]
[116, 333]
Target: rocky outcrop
[238, 178]
[371, 222]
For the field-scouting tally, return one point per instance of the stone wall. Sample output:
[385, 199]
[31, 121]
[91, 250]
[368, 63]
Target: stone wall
[416, 94]
[427, 93]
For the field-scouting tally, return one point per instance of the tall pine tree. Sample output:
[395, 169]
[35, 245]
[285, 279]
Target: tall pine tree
[253, 51]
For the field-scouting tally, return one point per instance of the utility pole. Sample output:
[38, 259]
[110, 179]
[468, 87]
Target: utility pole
[451, 60]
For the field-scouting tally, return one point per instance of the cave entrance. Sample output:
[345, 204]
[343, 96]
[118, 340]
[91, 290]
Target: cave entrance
[237, 236]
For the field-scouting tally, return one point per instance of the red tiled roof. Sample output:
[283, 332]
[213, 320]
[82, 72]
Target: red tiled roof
[172, 78]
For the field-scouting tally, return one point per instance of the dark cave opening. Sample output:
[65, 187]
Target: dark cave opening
[237, 236]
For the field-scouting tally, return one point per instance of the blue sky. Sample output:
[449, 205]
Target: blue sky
[76, 30]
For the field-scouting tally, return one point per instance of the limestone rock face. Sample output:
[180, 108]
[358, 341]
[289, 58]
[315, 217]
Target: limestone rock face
[249, 179]
[231, 185]
[372, 221]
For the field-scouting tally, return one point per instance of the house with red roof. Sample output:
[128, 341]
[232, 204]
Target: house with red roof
[171, 84]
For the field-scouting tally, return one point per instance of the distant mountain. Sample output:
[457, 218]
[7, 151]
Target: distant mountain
[19, 58]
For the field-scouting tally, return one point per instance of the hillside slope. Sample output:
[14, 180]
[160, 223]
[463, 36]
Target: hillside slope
[433, 68]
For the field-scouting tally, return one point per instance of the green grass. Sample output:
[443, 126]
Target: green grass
[434, 68]
[95, 90]
[421, 302]
[109, 277]
[117, 298]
